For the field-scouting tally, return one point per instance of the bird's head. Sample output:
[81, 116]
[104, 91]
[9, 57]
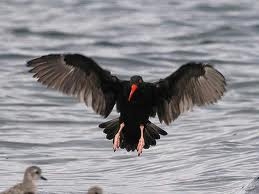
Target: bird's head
[33, 173]
[135, 82]
[95, 190]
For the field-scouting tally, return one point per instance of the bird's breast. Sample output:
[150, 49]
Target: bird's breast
[138, 109]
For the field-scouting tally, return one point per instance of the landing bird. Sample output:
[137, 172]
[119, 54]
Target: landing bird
[28, 186]
[136, 100]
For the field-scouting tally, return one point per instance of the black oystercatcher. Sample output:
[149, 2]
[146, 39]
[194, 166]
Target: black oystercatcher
[136, 100]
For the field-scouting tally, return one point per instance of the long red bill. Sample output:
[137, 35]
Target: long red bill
[134, 87]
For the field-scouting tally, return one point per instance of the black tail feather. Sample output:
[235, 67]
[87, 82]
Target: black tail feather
[110, 128]
[129, 142]
[151, 133]
[108, 123]
[156, 128]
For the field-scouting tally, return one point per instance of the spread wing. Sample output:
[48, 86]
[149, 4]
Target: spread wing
[80, 76]
[192, 84]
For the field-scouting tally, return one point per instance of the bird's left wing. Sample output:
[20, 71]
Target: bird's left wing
[80, 76]
[192, 84]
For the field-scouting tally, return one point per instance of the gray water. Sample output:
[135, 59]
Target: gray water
[211, 150]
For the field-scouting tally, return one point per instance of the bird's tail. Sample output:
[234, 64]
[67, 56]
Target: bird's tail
[151, 133]
[110, 128]
[129, 137]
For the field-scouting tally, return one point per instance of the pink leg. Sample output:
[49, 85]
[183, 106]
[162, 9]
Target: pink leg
[116, 141]
[141, 142]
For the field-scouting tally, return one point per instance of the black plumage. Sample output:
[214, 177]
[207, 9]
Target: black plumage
[74, 74]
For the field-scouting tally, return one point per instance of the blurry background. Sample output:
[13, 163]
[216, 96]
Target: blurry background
[212, 150]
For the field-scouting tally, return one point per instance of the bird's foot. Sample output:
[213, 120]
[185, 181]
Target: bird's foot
[116, 141]
[141, 144]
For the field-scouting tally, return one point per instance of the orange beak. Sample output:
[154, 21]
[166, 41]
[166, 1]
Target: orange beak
[134, 87]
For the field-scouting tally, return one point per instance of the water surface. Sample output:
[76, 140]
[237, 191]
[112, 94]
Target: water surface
[212, 150]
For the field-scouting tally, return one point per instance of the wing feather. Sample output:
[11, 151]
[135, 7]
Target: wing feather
[80, 76]
[192, 84]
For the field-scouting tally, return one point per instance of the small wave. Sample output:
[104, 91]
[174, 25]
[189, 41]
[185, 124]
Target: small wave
[48, 33]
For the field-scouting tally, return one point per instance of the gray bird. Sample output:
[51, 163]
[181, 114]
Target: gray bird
[251, 188]
[95, 190]
[28, 186]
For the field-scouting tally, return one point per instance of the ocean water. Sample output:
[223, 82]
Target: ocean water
[211, 150]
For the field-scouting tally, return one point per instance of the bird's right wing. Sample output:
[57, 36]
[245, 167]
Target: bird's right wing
[80, 76]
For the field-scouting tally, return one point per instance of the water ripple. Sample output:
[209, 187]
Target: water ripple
[211, 150]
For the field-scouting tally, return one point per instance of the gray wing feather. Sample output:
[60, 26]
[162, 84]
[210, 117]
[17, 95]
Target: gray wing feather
[80, 76]
[192, 84]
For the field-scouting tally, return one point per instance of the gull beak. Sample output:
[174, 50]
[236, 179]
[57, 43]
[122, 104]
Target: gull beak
[43, 178]
[134, 87]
